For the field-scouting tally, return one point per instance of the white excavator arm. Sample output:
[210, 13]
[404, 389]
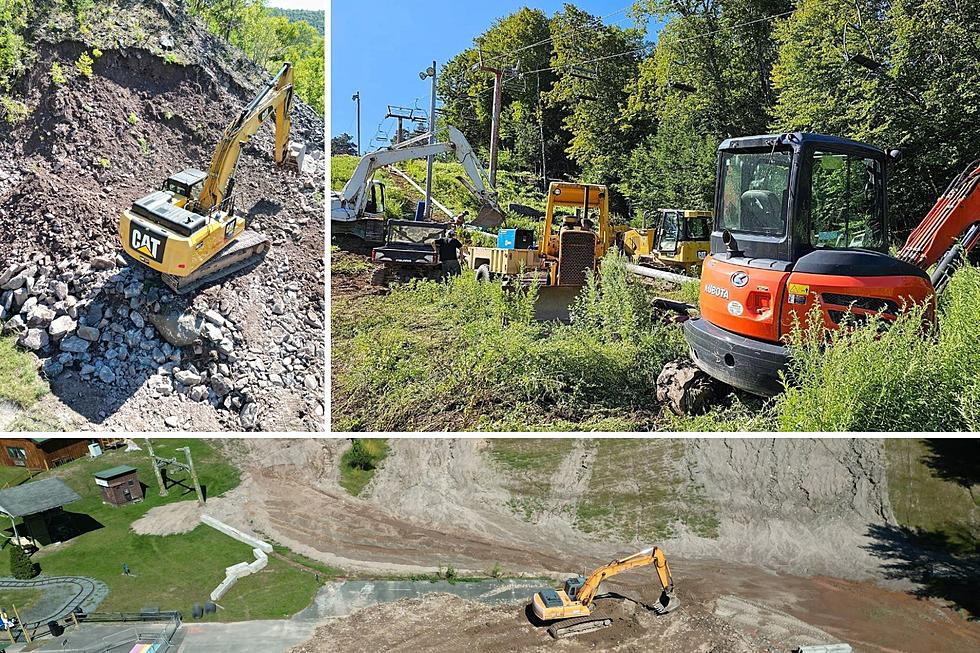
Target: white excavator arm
[349, 204]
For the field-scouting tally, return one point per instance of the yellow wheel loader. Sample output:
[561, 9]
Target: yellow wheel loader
[572, 610]
[188, 230]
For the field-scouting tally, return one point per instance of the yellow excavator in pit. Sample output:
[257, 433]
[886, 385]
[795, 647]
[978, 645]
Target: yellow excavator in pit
[189, 231]
[572, 608]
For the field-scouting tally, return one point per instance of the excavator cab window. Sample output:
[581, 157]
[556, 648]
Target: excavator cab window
[698, 228]
[846, 202]
[755, 186]
[192, 193]
[668, 232]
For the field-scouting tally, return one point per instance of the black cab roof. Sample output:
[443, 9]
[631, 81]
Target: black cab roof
[795, 140]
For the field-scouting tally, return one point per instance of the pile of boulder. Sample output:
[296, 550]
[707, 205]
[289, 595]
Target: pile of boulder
[116, 325]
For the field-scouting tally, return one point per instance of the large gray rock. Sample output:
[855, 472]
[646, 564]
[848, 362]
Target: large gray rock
[40, 316]
[13, 325]
[9, 273]
[249, 415]
[221, 385]
[212, 333]
[15, 282]
[188, 377]
[178, 328]
[88, 333]
[106, 374]
[74, 344]
[33, 339]
[61, 326]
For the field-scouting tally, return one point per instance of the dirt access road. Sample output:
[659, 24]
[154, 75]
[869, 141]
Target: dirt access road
[443, 502]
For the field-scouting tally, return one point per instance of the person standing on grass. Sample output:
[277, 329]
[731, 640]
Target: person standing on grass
[449, 250]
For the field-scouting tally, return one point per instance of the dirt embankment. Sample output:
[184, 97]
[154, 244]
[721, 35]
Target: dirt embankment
[156, 104]
[755, 588]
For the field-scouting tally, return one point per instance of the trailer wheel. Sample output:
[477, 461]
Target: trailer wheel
[483, 273]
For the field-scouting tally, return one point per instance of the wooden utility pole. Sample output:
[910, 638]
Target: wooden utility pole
[197, 484]
[156, 468]
[23, 628]
[498, 93]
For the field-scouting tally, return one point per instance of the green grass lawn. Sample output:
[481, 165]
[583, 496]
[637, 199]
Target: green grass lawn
[19, 382]
[11, 476]
[170, 572]
[24, 599]
[354, 478]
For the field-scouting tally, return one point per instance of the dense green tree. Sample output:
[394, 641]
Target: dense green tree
[342, 144]
[924, 99]
[21, 566]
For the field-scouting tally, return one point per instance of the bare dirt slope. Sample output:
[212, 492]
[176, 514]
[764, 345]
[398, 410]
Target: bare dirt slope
[157, 101]
[447, 502]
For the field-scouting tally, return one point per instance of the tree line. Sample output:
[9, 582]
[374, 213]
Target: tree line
[270, 37]
[643, 107]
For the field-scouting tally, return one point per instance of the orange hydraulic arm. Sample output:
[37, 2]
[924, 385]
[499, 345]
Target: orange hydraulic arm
[645, 557]
[955, 215]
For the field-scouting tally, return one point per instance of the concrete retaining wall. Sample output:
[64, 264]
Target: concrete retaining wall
[242, 569]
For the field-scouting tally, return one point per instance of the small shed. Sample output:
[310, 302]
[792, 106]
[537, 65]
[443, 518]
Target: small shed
[120, 485]
[40, 505]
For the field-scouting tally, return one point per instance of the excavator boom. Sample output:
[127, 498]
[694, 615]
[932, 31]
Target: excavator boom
[955, 215]
[349, 204]
[276, 97]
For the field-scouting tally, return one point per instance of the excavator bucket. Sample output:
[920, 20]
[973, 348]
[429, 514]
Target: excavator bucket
[295, 155]
[668, 603]
[489, 217]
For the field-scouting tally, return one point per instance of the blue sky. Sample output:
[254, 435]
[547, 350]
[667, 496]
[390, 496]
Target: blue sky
[378, 48]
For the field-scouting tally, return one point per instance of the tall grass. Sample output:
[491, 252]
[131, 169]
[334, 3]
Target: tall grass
[899, 376]
[470, 355]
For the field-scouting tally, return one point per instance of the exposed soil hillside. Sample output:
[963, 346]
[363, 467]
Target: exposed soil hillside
[157, 101]
[748, 586]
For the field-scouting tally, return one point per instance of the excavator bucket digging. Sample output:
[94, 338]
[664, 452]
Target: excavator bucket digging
[295, 155]
[489, 217]
[668, 603]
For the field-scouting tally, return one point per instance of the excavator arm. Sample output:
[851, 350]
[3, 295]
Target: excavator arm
[653, 556]
[275, 99]
[954, 216]
[353, 198]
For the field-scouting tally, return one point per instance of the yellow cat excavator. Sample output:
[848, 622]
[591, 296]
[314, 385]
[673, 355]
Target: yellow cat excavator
[572, 608]
[189, 231]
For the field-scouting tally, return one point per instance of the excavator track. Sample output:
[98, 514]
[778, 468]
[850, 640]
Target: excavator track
[246, 250]
[579, 625]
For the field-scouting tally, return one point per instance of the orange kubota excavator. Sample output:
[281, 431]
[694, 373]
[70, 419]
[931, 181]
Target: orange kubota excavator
[802, 218]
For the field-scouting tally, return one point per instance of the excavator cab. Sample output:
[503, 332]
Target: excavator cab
[799, 219]
[186, 185]
[375, 206]
[573, 585]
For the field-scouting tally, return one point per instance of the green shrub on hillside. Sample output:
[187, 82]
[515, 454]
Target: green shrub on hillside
[468, 355]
